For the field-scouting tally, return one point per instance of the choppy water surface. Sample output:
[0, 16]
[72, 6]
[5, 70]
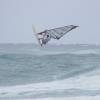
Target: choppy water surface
[30, 72]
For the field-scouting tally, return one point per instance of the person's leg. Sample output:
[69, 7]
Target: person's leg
[40, 41]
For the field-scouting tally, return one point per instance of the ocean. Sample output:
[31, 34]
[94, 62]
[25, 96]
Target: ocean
[52, 72]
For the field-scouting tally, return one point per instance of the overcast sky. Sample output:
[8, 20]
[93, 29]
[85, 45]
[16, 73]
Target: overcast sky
[17, 17]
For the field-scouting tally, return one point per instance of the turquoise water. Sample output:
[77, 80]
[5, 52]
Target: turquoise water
[29, 71]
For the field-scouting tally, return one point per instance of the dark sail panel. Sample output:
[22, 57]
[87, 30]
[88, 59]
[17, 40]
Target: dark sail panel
[57, 33]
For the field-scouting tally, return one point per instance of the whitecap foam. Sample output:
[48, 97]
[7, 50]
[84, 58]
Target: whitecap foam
[72, 51]
[70, 98]
[64, 98]
[83, 82]
[88, 51]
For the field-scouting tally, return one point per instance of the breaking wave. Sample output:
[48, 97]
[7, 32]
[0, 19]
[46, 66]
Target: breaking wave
[84, 86]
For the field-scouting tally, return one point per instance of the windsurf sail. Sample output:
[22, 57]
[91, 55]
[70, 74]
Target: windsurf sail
[56, 33]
